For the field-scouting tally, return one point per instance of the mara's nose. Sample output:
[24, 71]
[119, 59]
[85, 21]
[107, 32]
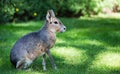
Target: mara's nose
[64, 28]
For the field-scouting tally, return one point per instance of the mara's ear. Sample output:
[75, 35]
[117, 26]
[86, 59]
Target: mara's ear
[50, 14]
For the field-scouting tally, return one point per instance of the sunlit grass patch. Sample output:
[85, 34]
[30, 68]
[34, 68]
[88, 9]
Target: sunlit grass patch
[113, 49]
[22, 32]
[60, 40]
[28, 24]
[106, 61]
[93, 42]
[70, 55]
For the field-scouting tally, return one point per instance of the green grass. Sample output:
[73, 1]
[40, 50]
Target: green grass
[89, 46]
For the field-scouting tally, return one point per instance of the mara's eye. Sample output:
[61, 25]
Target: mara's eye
[56, 22]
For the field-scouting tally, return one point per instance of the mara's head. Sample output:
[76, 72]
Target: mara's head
[55, 25]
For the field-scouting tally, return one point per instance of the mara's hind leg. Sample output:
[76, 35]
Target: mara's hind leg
[44, 62]
[23, 64]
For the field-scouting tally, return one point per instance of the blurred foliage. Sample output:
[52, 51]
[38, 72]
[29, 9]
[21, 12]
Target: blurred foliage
[6, 11]
[24, 10]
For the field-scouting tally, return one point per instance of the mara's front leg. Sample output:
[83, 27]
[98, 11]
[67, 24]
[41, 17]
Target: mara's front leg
[51, 59]
[44, 62]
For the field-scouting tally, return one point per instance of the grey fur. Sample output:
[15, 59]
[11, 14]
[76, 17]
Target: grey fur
[34, 44]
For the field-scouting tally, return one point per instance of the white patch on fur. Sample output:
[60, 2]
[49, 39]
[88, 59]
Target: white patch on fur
[42, 53]
[18, 63]
[28, 63]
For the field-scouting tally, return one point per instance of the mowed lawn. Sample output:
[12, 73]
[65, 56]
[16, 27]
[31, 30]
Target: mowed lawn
[89, 46]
